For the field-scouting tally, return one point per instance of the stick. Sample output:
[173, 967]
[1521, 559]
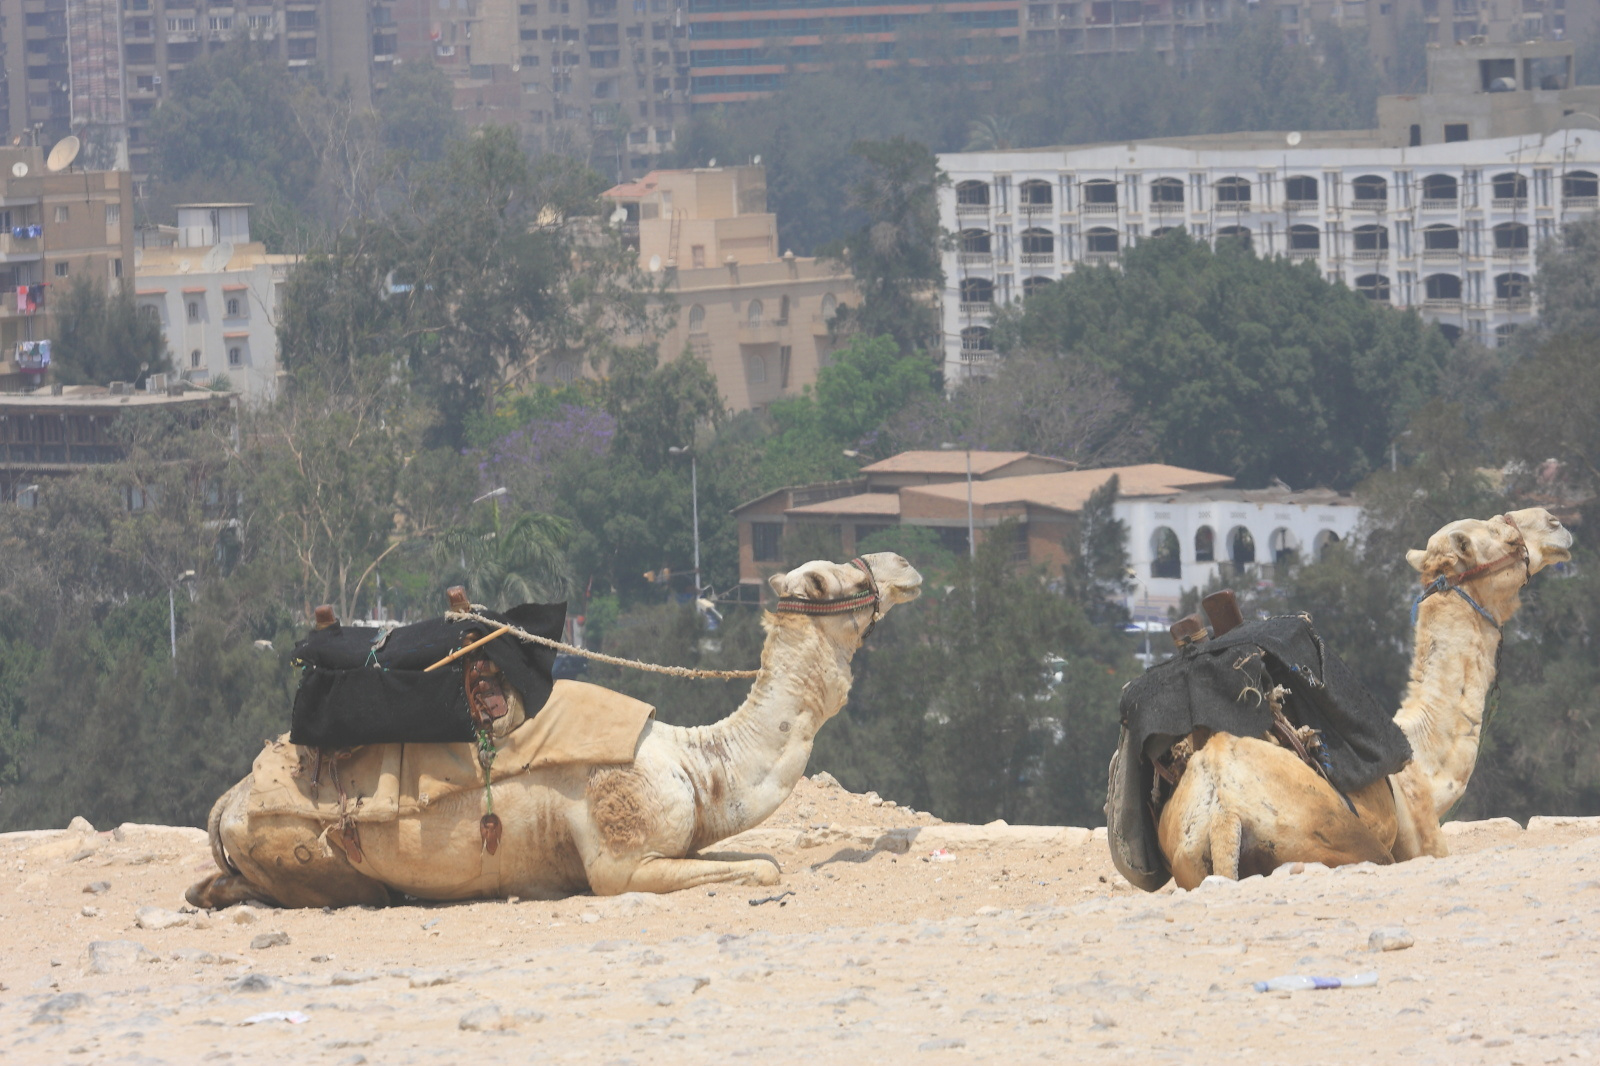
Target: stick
[459, 652]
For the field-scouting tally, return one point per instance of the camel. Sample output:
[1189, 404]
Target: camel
[605, 829]
[1245, 805]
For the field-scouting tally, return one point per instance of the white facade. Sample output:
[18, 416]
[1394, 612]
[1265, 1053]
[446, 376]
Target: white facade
[216, 295]
[1247, 533]
[1451, 229]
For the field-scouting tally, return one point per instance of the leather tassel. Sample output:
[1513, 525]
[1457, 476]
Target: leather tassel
[490, 827]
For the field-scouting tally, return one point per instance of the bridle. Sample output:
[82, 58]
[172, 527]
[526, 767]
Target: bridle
[839, 604]
[1453, 582]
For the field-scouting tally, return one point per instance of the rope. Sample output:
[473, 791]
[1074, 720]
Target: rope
[534, 638]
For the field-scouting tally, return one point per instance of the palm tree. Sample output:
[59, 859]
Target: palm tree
[523, 563]
[991, 133]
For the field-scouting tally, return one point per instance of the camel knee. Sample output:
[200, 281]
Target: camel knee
[224, 890]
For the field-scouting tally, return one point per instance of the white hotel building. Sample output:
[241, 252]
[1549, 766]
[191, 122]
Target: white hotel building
[1442, 208]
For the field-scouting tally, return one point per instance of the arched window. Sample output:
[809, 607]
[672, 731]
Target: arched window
[1101, 241]
[1511, 288]
[151, 312]
[235, 356]
[697, 319]
[783, 310]
[1035, 193]
[830, 305]
[975, 241]
[1443, 287]
[1373, 287]
[975, 340]
[1285, 546]
[756, 369]
[1504, 331]
[1370, 190]
[1580, 185]
[1324, 544]
[1038, 242]
[1100, 193]
[1511, 237]
[1205, 545]
[1162, 231]
[233, 307]
[1166, 191]
[1304, 238]
[1233, 191]
[1241, 546]
[194, 310]
[1509, 188]
[1441, 238]
[1238, 234]
[1300, 189]
[1440, 189]
[977, 291]
[752, 313]
[195, 359]
[1372, 239]
[1034, 284]
[972, 194]
[1165, 560]
[567, 370]
[1452, 333]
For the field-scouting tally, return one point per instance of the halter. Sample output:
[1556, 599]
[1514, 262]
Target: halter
[1453, 582]
[840, 604]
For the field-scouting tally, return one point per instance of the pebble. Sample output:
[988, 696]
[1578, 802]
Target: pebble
[430, 980]
[268, 940]
[244, 914]
[252, 982]
[482, 1020]
[159, 918]
[90, 912]
[51, 1010]
[345, 977]
[666, 992]
[943, 1043]
[117, 956]
[1390, 938]
[95, 888]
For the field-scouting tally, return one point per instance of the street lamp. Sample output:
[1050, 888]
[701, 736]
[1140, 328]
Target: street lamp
[694, 504]
[972, 543]
[172, 612]
[492, 494]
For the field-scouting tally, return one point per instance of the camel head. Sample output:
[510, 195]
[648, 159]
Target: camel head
[1548, 540]
[820, 582]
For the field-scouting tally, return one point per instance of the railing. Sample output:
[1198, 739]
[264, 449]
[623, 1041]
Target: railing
[1370, 253]
[1100, 257]
[1581, 203]
[977, 308]
[1037, 259]
[1304, 253]
[1037, 210]
[1441, 253]
[1233, 205]
[1302, 207]
[1440, 205]
[972, 209]
[1099, 209]
[1430, 303]
[1510, 253]
[1376, 206]
[1520, 303]
[975, 258]
[1509, 203]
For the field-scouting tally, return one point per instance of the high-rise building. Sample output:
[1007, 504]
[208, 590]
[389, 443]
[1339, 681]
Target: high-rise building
[1442, 208]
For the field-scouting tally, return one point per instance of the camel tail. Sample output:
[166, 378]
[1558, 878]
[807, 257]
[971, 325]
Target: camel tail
[214, 830]
[1227, 835]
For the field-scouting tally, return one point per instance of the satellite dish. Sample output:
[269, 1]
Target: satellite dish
[712, 163]
[1293, 138]
[62, 155]
[756, 161]
[19, 170]
[655, 264]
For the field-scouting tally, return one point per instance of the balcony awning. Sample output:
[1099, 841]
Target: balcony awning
[240, 335]
[236, 288]
[194, 289]
[150, 292]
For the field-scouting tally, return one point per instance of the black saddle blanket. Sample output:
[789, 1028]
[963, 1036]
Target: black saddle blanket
[369, 686]
[1222, 684]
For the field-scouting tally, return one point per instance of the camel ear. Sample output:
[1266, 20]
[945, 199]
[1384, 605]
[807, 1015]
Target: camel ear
[1462, 544]
[779, 583]
[1415, 557]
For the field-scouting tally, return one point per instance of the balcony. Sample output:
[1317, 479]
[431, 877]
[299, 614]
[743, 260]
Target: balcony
[1037, 259]
[1376, 207]
[1581, 203]
[1432, 304]
[1519, 304]
[1302, 207]
[972, 210]
[1036, 210]
[1232, 207]
[1096, 258]
[984, 308]
[1099, 209]
[1300, 255]
[761, 332]
[1450, 254]
[1440, 205]
[1371, 254]
[1510, 254]
[975, 259]
[20, 247]
[1509, 203]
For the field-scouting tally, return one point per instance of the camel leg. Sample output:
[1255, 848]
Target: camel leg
[1416, 823]
[1227, 834]
[658, 874]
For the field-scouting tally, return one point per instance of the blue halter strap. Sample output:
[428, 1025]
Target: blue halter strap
[1453, 582]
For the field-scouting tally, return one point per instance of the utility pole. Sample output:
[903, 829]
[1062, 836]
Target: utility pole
[694, 508]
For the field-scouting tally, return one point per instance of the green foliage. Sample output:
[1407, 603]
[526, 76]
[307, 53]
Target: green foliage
[101, 337]
[1100, 567]
[1251, 367]
[416, 114]
[502, 566]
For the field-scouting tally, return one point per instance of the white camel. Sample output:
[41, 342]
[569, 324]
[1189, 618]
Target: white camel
[606, 829]
[1245, 805]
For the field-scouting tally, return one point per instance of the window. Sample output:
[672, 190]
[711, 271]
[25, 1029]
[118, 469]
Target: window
[756, 369]
[765, 542]
[697, 256]
[1301, 189]
[180, 25]
[63, 212]
[1374, 287]
[1239, 235]
[235, 356]
[1580, 185]
[1446, 287]
[1304, 239]
[1284, 545]
[1507, 187]
[1512, 288]
[1439, 189]
[1511, 237]
[975, 242]
[61, 270]
[1033, 285]
[1205, 545]
[1233, 191]
[116, 267]
[194, 310]
[233, 307]
[219, 23]
[753, 313]
[300, 20]
[697, 319]
[1241, 546]
[1038, 242]
[1034, 193]
[1371, 239]
[1166, 191]
[975, 339]
[1100, 193]
[1441, 238]
[1164, 554]
[194, 359]
[113, 214]
[1370, 190]
[150, 311]
[1100, 240]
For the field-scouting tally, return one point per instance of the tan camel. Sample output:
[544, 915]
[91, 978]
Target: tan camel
[1245, 805]
[605, 829]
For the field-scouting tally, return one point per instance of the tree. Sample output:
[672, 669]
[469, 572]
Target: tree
[102, 337]
[501, 566]
[416, 113]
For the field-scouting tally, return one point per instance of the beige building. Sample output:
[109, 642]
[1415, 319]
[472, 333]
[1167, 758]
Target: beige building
[54, 227]
[757, 317]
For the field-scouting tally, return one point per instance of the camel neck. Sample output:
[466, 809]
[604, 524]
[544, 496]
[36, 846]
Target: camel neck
[1452, 671]
[746, 765]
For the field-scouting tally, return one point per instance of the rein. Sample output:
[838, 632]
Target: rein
[1453, 582]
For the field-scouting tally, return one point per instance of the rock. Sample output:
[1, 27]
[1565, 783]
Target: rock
[943, 1043]
[80, 825]
[988, 912]
[269, 940]
[198, 956]
[873, 799]
[430, 980]
[1390, 938]
[252, 982]
[244, 914]
[483, 1020]
[629, 904]
[117, 956]
[1215, 881]
[665, 993]
[1543, 821]
[1102, 1020]
[588, 917]
[823, 779]
[345, 977]
[90, 912]
[95, 888]
[159, 918]
[51, 1010]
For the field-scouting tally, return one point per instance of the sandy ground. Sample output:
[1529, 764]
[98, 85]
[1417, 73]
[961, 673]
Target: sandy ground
[1018, 944]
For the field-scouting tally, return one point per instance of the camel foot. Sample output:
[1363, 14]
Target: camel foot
[224, 890]
[671, 875]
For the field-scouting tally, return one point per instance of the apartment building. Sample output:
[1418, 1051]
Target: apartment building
[216, 294]
[55, 227]
[1442, 208]
[760, 319]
